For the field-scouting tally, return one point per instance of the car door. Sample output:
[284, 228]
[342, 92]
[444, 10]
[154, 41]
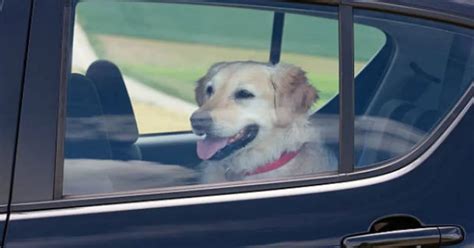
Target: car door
[14, 32]
[400, 131]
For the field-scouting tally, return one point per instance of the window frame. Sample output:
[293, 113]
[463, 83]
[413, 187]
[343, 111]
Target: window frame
[48, 197]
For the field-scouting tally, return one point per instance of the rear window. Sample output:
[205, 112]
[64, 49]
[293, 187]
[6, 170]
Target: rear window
[162, 56]
[168, 95]
[145, 72]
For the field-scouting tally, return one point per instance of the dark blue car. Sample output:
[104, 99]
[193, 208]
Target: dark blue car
[96, 147]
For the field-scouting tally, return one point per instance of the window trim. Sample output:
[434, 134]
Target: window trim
[411, 11]
[346, 90]
[36, 156]
[29, 202]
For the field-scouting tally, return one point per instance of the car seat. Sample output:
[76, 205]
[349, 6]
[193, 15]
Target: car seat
[119, 117]
[85, 135]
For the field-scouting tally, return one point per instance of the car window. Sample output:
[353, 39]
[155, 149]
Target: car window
[410, 86]
[169, 47]
[316, 51]
[174, 95]
[153, 68]
[167, 54]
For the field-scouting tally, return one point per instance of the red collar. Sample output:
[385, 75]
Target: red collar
[284, 158]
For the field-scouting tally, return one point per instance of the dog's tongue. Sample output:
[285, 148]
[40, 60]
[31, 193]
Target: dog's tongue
[207, 147]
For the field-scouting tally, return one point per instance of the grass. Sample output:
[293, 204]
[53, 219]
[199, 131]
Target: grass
[183, 87]
[169, 46]
[223, 26]
[163, 66]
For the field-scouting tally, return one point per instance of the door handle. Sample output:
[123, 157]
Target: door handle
[442, 235]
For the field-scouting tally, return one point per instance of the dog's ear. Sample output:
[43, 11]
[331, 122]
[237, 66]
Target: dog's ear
[294, 95]
[199, 91]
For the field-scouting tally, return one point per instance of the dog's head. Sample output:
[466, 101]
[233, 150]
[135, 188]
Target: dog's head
[242, 102]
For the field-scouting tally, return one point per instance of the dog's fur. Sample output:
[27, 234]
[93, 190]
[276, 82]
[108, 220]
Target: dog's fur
[282, 99]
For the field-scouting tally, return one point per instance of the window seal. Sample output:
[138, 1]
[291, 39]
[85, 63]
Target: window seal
[65, 67]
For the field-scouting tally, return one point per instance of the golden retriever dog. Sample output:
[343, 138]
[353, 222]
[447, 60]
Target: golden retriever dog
[254, 119]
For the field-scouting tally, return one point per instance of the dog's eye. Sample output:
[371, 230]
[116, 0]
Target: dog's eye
[209, 90]
[243, 94]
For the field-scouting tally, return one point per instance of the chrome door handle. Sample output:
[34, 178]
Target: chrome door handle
[442, 235]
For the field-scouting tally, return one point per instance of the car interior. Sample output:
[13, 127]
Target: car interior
[396, 106]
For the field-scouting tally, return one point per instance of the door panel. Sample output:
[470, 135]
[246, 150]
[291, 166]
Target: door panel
[42, 76]
[14, 23]
[432, 189]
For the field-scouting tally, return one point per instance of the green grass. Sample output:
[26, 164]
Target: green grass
[181, 83]
[221, 26]
[229, 28]
[173, 81]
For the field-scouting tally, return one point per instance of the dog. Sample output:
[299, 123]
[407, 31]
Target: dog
[254, 119]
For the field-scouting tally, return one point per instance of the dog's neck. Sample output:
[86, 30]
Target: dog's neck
[270, 149]
[283, 160]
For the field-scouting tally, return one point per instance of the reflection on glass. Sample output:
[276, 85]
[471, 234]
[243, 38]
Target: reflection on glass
[253, 120]
[135, 68]
[410, 85]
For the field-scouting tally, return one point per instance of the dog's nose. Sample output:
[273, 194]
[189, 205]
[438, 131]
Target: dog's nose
[201, 121]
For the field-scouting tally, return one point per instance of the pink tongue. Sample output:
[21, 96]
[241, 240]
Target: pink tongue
[209, 146]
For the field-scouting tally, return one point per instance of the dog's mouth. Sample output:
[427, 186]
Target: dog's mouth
[217, 148]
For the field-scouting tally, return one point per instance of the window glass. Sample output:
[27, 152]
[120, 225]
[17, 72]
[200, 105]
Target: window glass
[316, 51]
[410, 85]
[317, 54]
[168, 47]
[368, 41]
[152, 68]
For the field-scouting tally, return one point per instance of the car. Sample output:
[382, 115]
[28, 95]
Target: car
[87, 161]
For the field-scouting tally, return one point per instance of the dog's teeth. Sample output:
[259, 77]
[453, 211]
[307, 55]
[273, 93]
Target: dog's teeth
[236, 136]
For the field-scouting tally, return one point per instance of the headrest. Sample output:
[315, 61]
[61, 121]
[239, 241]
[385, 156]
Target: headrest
[118, 111]
[82, 98]
[86, 136]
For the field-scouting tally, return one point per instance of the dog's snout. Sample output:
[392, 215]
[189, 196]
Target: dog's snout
[201, 121]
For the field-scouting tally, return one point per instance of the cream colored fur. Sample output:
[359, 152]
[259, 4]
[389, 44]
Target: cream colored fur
[280, 107]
